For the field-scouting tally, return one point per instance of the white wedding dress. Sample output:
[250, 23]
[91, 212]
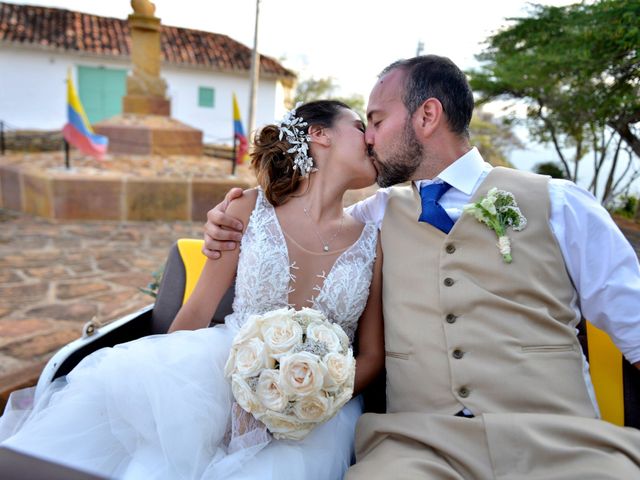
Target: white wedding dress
[159, 407]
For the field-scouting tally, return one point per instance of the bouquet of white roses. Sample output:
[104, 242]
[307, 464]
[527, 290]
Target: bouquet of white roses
[292, 370]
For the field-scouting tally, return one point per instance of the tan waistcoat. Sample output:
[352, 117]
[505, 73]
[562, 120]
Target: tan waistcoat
[465, 329]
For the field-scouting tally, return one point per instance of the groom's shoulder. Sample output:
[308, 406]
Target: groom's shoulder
[403, 190]
[514, 179]
[519, 175]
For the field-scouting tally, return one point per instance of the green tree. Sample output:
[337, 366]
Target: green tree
[578, 70]
[493, 137]
[324, 88]
[549, 168]
[627, 206]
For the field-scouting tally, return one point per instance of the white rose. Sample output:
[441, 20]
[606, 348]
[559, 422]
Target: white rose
[342, 336]
[250, 358]
[244, 395]
[324, 332]
[250, 329]
[314, 408]
[301, 374]
[230, 366]
[489, 205]
[305, 316]
[269, 392]
[339, 369]
[277, 314]
[285, 427]
[281, 335]
[343, 397]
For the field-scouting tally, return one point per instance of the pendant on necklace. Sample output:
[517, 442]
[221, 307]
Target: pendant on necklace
[326, 248]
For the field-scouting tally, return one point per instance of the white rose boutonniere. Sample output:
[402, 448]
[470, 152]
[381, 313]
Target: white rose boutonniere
[499, 211]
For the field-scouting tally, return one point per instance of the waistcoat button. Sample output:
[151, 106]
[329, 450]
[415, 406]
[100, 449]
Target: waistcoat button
[451, 318]
[450, 248]
[458, 354]
[464, 392]
[448, 282]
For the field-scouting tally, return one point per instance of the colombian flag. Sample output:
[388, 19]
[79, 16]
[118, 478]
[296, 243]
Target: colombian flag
[77, 131]
[238, 134]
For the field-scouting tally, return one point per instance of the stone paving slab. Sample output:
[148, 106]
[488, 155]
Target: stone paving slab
[55, 276]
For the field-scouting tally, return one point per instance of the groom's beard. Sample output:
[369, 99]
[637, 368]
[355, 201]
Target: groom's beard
[400, 166]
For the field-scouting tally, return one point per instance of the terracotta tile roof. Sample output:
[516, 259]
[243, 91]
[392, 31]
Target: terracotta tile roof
[81, 32]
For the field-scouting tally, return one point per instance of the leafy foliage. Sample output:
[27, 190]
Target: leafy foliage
[578, 70]
[549, 168]
[324, 88]
[153, 286]
[494, 138]
[628, 206]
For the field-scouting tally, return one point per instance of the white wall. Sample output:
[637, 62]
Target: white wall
[217, 122]
[33, 92]
[32, 86]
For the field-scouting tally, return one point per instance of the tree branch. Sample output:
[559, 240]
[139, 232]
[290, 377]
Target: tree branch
[627, 135]
[554, 140]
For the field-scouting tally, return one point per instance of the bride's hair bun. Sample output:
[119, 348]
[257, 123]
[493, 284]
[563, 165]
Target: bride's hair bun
[270, 158]
[273, 165]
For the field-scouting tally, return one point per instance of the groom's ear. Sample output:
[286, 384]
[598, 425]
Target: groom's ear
[319, 135]
[428, 117]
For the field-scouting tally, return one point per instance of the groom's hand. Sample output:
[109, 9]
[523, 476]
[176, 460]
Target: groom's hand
[222, 232]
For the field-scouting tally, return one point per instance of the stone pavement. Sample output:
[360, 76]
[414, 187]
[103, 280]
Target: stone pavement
[55, 276]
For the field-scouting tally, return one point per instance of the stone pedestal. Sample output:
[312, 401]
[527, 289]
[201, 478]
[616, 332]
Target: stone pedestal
[146, 105]
[150, 135]
[145, 127]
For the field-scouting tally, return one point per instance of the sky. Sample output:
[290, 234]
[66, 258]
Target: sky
[349, 40]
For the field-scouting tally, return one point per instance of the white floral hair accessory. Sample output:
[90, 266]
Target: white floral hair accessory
[291, 127]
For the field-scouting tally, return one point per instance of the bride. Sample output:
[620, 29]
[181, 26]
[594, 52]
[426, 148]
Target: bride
[160, 406]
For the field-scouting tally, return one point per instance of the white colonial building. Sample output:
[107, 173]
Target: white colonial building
[38, 45]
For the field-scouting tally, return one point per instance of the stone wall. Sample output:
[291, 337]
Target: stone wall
[84, 197]
[33, 140]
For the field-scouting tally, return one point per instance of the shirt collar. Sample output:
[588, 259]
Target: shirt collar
[463, 174]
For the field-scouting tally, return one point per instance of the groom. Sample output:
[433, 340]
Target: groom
[485, 376]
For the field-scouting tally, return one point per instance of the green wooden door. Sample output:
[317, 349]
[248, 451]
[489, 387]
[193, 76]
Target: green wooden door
[101, 91]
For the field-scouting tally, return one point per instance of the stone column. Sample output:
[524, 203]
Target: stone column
[146, 127]
[146, 90]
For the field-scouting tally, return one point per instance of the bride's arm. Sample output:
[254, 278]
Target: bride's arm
[370, 359]
[216, 277]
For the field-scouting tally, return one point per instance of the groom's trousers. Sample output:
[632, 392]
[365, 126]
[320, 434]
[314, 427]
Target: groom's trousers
[493, 446]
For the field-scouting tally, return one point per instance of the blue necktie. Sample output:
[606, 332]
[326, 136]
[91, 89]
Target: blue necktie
[432, 211]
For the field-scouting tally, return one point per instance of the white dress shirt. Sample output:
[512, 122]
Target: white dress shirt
[601, 263]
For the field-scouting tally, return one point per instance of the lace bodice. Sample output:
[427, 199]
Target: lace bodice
[266, 275]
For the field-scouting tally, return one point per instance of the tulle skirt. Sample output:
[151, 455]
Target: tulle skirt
[159, 408]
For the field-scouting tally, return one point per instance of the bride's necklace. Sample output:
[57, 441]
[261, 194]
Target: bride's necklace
[325, 245]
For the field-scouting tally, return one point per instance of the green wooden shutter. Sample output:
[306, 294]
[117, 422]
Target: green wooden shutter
[101, 91]
[206, 97]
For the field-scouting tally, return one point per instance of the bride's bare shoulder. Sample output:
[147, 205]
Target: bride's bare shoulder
[242, 207]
